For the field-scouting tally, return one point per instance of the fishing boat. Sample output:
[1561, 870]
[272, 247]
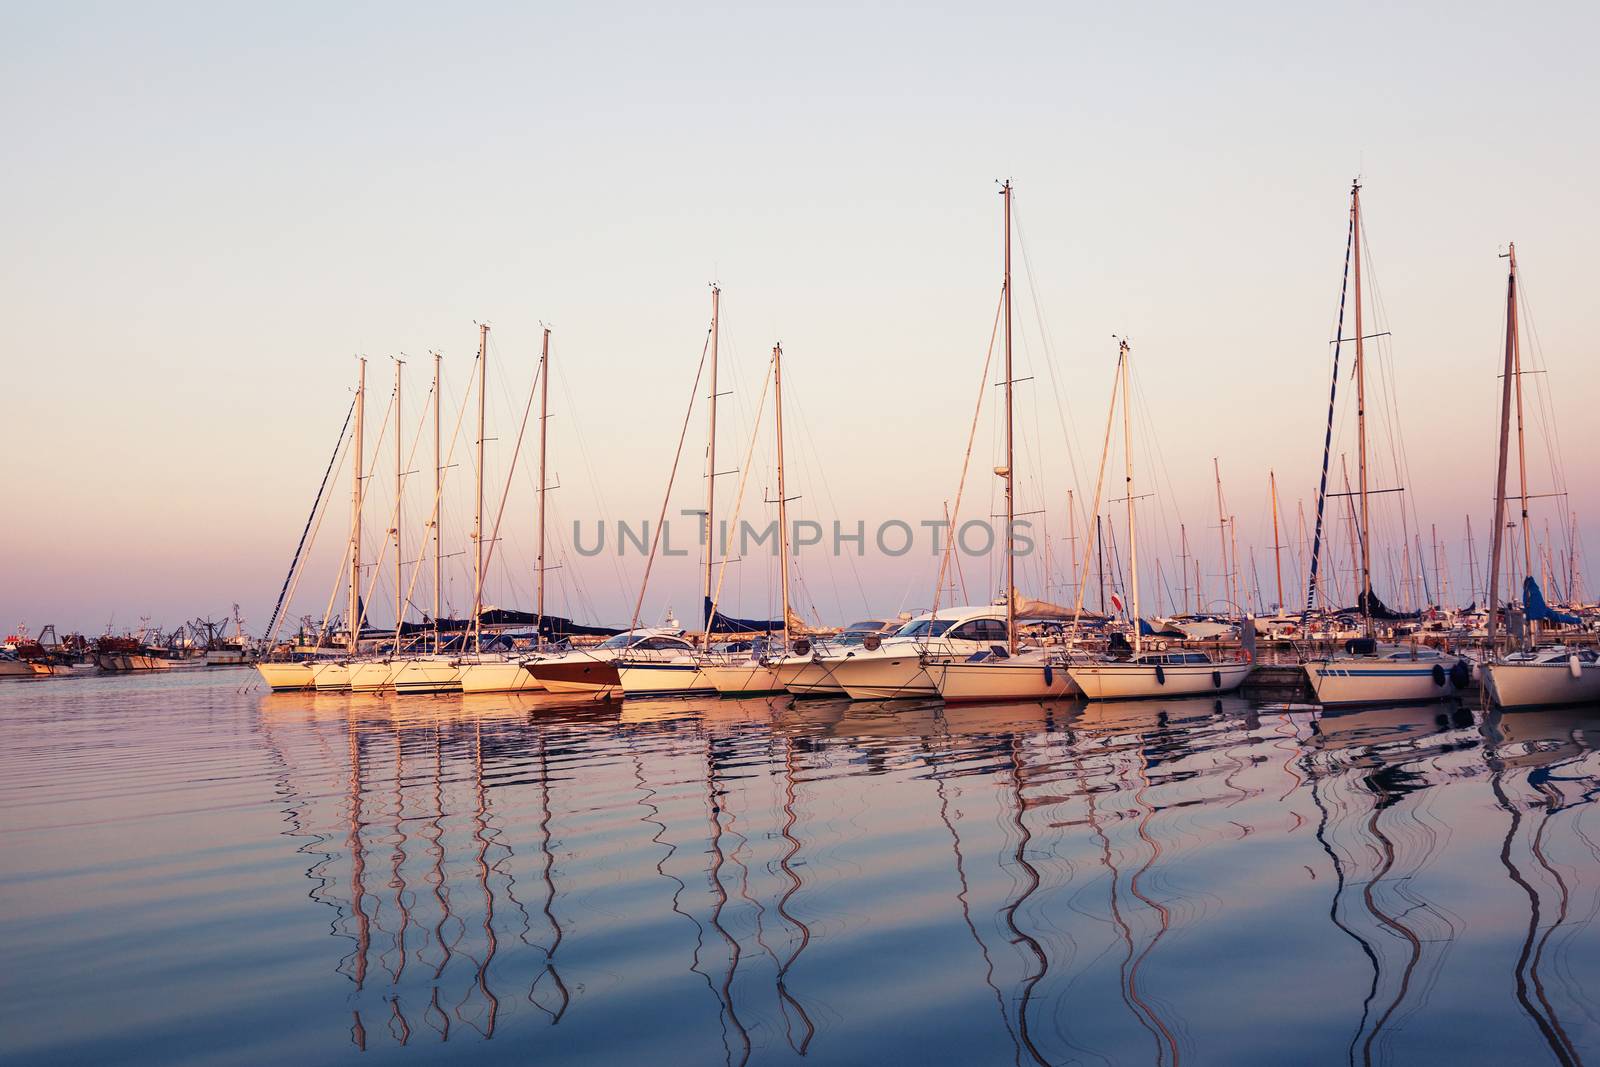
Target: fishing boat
[1534, 674]
[1366, 673]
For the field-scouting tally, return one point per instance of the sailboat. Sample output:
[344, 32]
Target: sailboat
[1003, 672]
[1533, 675]
[1157, 673]
[437, 672]
[1368, 673]
[334, 675]
[762, 671]
[505, 672]
[668, 672]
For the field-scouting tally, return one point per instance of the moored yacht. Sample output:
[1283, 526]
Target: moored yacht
[893, 668]
[1550, 675]
[1158, 674]
[1370, 673]
[593, 671]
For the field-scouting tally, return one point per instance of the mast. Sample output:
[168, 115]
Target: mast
[1233, 536]
[1277, 545]
[477, 514]
[1010, 472]
[711, 466]
[1222, 530]
[438, 490]
[1472, 564]
[1072, 541]
[1361, 411]
[1133, 530]
[783, 499]
[354, 609]
[1514, 339]
[544, 423]
[1505, 441]
[1100, 549]
[399, 516]
[1183, 561]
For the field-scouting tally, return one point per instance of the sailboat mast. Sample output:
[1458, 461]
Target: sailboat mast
[1222, 529]
[1010, 471]
[1277, 545]
[438, 490]
[1505, 442]
[1133, 529]
[544, 424]
[1361, 411]
[783, 498]
[477, 514]
[354, 608]
[1472, 564]
[711, 466]
[1183, 560]
[399, 516]
[1515, 340]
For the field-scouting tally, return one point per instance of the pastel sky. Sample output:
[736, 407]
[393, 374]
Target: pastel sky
[210, 211]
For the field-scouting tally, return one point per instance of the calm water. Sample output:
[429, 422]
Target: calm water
[198, 873]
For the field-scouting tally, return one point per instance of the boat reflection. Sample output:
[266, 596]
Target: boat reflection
[499, 860]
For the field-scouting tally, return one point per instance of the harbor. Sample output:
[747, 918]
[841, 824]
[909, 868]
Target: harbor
[1050, 536]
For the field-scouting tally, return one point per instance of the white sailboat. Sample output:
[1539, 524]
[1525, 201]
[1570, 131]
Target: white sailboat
[503, 672]
[1156, 673]
[678, 673]
[763, 670]
[1366, 673]
[1551, 674]
[435, 672]
[1002, 672]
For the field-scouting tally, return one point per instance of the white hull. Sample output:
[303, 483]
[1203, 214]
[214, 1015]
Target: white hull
[130, 661]
[498, 676]
[427, 674]
[663, 679]
[1526, 685]
[1137, 681]
[331, 677]
[884, 677]
[373, 675]
[814, 679]
[1018, 678]
[283, 677]
[15, 668]
[1360, 680]
[742, 679]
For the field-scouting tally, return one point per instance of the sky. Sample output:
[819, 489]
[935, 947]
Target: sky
[212, 211]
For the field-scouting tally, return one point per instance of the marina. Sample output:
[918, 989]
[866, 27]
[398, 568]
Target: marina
[1052, 536]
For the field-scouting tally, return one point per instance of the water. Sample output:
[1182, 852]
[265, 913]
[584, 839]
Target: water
[198, 874]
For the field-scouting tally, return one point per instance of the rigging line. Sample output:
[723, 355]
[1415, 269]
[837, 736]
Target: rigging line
[738, 501]
[516, 452]
[1327, 441]
[1048, 344]
[595, 483]
[377, 564]
[955, 512]
[433, 516]
[1092, 539]
[416, 442]
[316, 506]
[672, 477]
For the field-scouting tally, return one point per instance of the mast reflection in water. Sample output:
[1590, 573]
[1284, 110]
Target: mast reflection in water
[194, 872]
